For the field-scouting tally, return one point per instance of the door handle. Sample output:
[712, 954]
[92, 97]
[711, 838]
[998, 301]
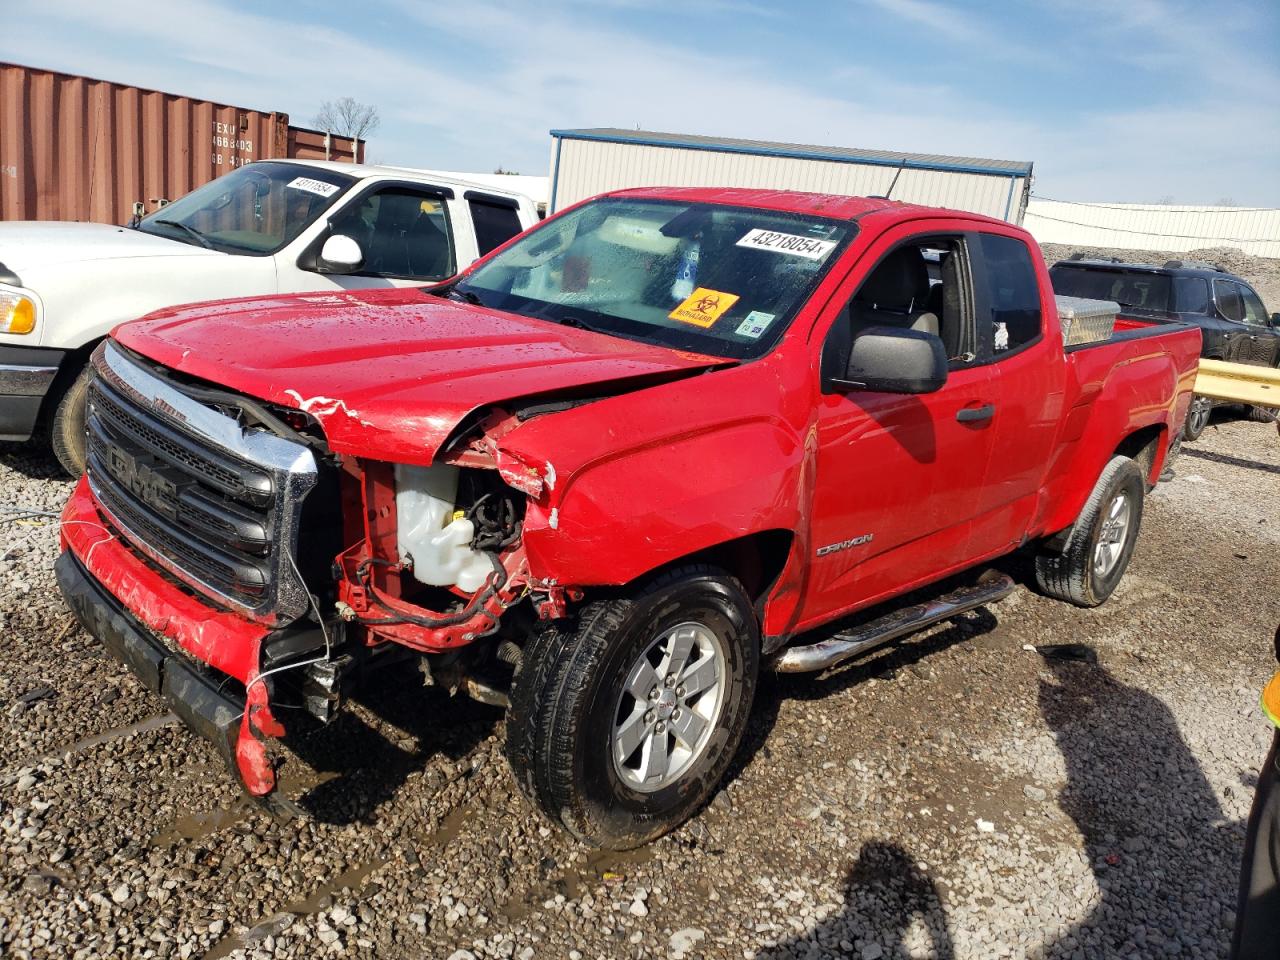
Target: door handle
[975, 414]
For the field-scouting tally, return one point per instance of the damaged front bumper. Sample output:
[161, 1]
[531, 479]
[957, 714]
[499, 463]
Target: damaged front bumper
[195, 697]
[177, 646]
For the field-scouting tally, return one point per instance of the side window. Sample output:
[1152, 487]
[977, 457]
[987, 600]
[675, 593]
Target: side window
[1230, 304]
[404, 234]
[923, 285]
[1254, 312]
[1012, 293]
[496, 221]
[1190, 295]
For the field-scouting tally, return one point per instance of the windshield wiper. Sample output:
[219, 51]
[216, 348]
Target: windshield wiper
[196, 234]
[466, 296]
[568, 320]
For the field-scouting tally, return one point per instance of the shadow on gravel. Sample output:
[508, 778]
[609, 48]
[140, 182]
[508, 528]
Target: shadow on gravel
[1151, 823]
[31, 461]
[354, 766]
[1230, 461]
[889, 902]
[887, 896]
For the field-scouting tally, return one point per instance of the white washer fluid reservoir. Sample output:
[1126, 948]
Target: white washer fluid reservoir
[438, 545]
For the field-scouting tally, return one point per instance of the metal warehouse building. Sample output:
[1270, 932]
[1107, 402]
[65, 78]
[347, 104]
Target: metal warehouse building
[587, 162]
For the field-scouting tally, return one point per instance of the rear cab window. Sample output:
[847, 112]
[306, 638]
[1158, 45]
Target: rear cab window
[1013, 294]
[496, 220]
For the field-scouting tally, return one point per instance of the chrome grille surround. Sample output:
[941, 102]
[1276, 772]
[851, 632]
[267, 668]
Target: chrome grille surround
[207, 453]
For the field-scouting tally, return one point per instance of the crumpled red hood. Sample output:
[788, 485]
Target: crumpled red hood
[388, 373]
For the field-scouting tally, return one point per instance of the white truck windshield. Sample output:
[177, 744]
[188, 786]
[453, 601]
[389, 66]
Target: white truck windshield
[257, 209]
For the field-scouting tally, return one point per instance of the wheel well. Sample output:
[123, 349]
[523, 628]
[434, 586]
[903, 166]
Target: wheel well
[756, 559]
[1143, 447]
[68, 370]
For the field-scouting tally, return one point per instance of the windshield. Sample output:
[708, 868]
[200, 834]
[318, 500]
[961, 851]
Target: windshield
[714, 279]
[256, 209]
[1129, 288]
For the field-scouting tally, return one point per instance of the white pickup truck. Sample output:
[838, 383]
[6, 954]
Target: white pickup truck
[275, 226]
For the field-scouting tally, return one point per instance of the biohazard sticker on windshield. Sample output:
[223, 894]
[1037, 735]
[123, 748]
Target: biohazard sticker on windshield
[703, 307]
[788, 243]
[318, 187]
[756, 323]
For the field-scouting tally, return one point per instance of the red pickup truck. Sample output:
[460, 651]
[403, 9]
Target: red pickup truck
[605, 476]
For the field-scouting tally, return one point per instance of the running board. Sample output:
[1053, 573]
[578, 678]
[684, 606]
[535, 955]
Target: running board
[839, 648]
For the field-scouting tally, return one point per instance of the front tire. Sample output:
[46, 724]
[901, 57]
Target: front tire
[67, 428]
[624, 720]
[1100, 544]
[1197, 418]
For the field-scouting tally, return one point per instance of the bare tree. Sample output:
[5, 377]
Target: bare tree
[509, 173]
[347, 117]
[1227, 202]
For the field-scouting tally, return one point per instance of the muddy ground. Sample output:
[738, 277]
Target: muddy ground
[959, 795]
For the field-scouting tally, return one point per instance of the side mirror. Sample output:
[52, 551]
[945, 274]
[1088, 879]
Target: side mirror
[1275, 319]
[340, 254]
[894, 360]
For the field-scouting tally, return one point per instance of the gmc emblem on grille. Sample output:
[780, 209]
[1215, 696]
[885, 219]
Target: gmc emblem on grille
[139, 477]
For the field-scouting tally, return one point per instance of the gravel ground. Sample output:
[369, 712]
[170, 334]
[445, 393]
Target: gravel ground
[958, 795]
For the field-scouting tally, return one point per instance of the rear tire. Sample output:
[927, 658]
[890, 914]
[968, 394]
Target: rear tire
[1197, 418]
[1100, 544]
[67, 429]
[590, 743]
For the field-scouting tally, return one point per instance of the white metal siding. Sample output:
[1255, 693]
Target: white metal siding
[588, 167]
[1136, 226]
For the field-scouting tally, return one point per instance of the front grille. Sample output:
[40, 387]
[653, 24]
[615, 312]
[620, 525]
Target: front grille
[245, 481]
[201, 498]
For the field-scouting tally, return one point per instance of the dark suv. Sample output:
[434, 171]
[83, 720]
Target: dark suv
[1235, 324]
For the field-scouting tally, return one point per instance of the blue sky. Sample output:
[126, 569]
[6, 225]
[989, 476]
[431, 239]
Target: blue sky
[1120, 100]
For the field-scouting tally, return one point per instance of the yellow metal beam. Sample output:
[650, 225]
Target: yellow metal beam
[1239, 383]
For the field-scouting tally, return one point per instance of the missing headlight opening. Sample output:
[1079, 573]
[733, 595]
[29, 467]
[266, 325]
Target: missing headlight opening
[440, 559]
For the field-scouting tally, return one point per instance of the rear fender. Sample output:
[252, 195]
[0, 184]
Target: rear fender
[1121, 410]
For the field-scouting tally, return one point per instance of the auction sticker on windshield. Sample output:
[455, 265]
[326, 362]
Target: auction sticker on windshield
[788, 243]
[318, 187]
[703, 307]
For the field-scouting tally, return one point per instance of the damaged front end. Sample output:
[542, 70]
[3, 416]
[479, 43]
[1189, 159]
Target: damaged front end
[437, 559]
[247, 574]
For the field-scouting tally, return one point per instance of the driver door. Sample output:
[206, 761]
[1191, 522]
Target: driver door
[899, 476]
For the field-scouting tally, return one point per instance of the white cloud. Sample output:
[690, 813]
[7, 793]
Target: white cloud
[951, 21]
[524, 71]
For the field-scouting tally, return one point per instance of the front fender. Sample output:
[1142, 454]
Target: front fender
[642, 505]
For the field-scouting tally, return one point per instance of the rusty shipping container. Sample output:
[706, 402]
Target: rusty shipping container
[75, 148]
